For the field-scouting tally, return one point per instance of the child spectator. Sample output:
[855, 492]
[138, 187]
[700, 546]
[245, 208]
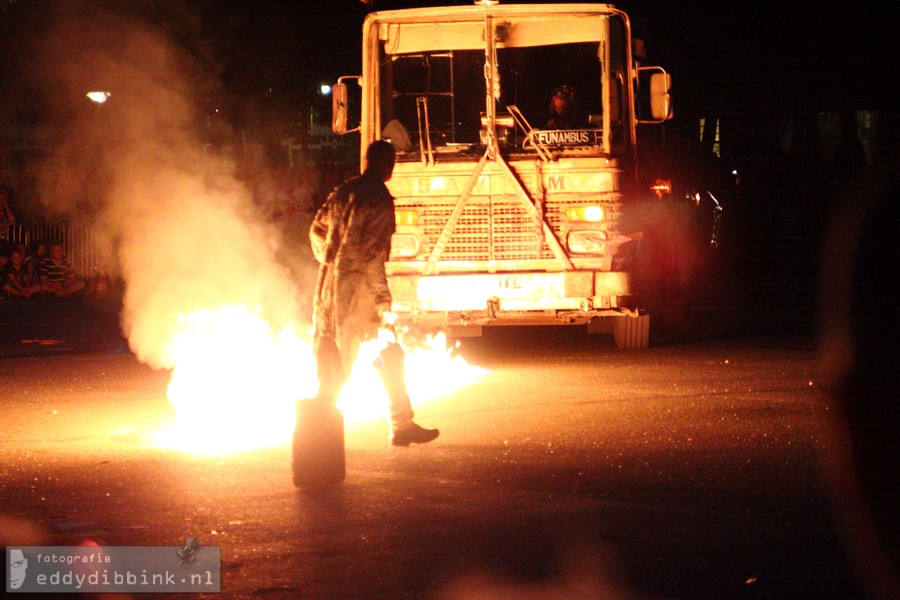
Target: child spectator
[7, 220]
[17, 282]
[33, 261]
[58, 278]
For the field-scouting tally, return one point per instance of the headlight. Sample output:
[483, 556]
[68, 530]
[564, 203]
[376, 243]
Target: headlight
[405, 245]
[406, 217]
[592, 213]
[587, 242]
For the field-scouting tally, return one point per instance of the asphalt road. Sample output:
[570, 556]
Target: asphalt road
[573, 469]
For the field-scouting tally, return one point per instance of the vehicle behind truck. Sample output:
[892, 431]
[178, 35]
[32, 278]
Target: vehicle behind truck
[501, 220]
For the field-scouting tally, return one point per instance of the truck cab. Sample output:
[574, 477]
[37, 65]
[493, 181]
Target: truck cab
[504, 216]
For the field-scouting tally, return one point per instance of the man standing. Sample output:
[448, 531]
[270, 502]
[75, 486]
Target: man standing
[351, 239]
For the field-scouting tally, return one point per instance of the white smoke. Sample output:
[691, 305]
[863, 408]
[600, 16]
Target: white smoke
[180, 224]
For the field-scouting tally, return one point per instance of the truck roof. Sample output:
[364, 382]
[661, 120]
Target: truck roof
[460, 27]
[472, 12]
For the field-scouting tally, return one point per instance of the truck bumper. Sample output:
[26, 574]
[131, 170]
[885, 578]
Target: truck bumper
[521, 298]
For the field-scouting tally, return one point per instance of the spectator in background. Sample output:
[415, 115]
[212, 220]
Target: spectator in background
[17, 282]
[7, 220]
[33, 260]
[27, 261]
[57, 277]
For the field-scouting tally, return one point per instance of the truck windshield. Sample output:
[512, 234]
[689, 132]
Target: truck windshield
[443, 93]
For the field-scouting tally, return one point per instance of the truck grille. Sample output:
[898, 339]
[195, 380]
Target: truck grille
[498, 229]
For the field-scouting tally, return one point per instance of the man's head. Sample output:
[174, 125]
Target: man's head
[17, 566]
[563, 100]
[380, 159]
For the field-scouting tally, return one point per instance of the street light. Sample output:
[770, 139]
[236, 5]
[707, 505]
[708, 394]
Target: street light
[98, 97]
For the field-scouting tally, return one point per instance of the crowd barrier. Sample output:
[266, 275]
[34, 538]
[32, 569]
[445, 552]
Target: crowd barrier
[79, 242]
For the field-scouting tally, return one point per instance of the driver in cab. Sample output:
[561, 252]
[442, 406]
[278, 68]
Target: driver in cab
[564, 113]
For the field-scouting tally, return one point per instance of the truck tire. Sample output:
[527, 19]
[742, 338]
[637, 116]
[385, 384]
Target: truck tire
[632, 332]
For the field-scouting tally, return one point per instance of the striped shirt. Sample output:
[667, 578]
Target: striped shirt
[56, 273]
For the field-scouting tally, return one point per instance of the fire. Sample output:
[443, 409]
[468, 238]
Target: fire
[236, 381]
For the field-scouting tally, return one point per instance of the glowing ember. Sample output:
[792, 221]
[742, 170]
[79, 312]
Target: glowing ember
[236, 381]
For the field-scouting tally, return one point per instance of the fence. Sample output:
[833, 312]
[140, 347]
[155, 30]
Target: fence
[79, 242]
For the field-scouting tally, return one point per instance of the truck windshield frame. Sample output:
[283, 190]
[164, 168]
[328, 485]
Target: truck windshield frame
[432, 85]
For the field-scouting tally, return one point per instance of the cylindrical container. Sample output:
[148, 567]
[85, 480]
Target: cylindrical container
[318, 446]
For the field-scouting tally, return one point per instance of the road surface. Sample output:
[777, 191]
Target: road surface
[569, 469]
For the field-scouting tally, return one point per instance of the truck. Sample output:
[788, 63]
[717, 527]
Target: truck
[500, 219]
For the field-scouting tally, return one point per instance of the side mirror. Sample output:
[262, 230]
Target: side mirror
[339, 108]
[655, 98]
[660, 100]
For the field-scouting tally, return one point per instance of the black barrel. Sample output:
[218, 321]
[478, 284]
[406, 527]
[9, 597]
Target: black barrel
[318, 448]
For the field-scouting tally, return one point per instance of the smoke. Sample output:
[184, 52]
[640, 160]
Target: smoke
[174, 215]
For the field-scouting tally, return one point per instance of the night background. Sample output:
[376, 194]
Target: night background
[802, 97]
[784, 87]
[697, 462]
[264, 61]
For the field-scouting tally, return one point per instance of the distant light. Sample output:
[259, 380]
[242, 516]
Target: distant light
[325, 89]
[98, 97]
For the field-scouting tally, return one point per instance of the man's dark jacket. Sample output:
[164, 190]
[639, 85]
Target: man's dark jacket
[351, 239]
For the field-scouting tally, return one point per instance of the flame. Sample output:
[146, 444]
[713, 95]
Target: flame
[236, 381]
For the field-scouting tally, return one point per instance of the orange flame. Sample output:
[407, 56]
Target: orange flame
[236, 381]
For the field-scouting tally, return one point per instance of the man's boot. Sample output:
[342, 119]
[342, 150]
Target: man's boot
[391, 369]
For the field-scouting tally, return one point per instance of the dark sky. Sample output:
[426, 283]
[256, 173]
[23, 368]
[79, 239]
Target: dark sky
[801, 53]
[825, 54]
